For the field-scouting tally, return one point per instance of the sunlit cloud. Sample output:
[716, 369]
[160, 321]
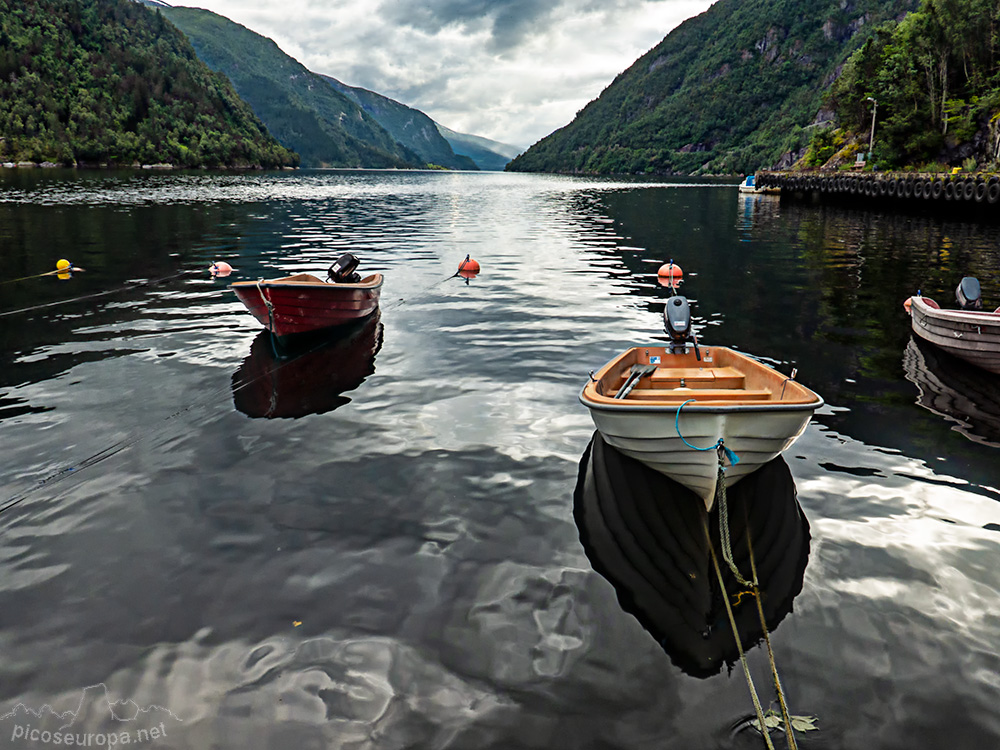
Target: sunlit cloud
[511, 70]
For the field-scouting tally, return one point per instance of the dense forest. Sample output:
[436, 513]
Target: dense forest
[112, 82]
[935, 78]
[727, 91]
[302, 109]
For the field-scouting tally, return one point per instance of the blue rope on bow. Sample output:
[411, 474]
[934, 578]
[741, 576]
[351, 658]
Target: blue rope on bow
[719, 446]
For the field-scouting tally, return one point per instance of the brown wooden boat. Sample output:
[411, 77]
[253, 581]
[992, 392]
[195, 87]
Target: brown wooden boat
[968, 333]
[303, 303]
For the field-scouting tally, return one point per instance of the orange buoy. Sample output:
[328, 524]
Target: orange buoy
[670, 271]
[468, 268]
[220, 268]
[669, 281]
[908, 304]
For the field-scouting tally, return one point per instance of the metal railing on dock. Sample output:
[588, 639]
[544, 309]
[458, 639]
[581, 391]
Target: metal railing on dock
[923, 189]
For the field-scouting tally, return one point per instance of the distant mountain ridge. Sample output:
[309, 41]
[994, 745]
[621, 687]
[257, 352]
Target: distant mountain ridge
[408, 126]
[726, 92]
[300, 108]
[488, 154]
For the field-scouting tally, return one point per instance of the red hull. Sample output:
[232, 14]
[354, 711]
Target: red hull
[302, 303]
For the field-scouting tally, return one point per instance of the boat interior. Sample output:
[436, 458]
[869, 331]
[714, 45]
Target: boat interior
[720, 376]
[308, 278]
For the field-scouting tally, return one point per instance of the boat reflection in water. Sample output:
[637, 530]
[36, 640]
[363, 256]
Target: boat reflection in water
[309, 376]
[645, 533]
[967, 395]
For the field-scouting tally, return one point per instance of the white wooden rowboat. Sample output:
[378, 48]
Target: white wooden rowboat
[972, 335]
[756, 411]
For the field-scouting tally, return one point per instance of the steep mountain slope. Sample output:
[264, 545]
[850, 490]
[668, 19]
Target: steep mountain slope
[113, 83]
[299, 107]
[408, 126]
[487, 154]
[726, 92]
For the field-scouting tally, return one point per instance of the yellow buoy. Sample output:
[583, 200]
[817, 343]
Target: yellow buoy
[63, 265]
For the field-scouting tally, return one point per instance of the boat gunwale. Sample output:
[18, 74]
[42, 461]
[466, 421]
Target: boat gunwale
[958, 316]
[376, 281]
[694, 406]
[708, 406]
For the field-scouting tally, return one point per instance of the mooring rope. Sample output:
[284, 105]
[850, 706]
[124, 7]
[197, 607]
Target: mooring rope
[755, 592]
[736, 635]
[135, 285]
[785, 716]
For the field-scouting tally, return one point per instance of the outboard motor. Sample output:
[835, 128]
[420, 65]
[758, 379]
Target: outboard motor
[677, 324]
[969, 295]
[342, 270]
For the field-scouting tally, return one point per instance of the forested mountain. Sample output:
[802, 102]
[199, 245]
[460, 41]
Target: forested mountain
[301, 109]
[727, 91]
[408, 126]
[936, 79]
[487, 154]
[111, 82]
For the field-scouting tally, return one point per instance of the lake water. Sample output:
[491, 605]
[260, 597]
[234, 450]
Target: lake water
[391, 542]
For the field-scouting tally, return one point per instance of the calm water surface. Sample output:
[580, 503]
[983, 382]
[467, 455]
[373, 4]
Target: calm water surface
[408, 537]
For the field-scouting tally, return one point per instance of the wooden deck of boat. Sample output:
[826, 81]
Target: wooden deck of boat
[679, 384]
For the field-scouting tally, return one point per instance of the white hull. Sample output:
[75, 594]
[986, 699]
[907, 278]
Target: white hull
[756, 437]
[968, 335]
[756, 411]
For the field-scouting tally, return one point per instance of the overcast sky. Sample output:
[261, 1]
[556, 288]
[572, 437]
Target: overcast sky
[510, 70]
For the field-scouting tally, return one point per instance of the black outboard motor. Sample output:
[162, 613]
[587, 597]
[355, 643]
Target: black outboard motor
[677, 324]
[342, 270]
[969, 295]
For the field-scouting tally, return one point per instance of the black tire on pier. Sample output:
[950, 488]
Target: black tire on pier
[892, 189]
[908, 187]
[918, 189]
[969, 190]
[937, 188]
[993, 192]
[853, 189]
[949, 190]
[883, 188]
[980, 194]
[927, 188]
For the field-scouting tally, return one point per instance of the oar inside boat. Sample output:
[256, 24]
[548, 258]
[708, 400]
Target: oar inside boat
[635, 375]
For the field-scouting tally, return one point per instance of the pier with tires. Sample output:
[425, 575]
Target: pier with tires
[960, 193]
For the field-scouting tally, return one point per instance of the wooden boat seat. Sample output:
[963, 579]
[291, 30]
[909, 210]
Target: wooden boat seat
[701, 394]
[303, 278]
[693, 377]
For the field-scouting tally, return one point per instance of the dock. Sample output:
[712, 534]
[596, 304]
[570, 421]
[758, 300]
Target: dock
[945, 193]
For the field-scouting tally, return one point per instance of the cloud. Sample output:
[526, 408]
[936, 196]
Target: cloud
[511, 70]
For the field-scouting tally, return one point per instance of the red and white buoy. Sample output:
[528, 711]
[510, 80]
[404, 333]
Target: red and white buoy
[220, 268]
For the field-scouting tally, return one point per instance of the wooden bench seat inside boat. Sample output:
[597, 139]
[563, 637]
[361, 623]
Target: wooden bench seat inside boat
[700, 394]
[691, 377]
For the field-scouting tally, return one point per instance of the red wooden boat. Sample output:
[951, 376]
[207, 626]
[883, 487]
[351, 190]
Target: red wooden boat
[304, 303]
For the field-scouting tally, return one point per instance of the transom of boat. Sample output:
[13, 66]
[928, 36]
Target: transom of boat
[722, 376]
